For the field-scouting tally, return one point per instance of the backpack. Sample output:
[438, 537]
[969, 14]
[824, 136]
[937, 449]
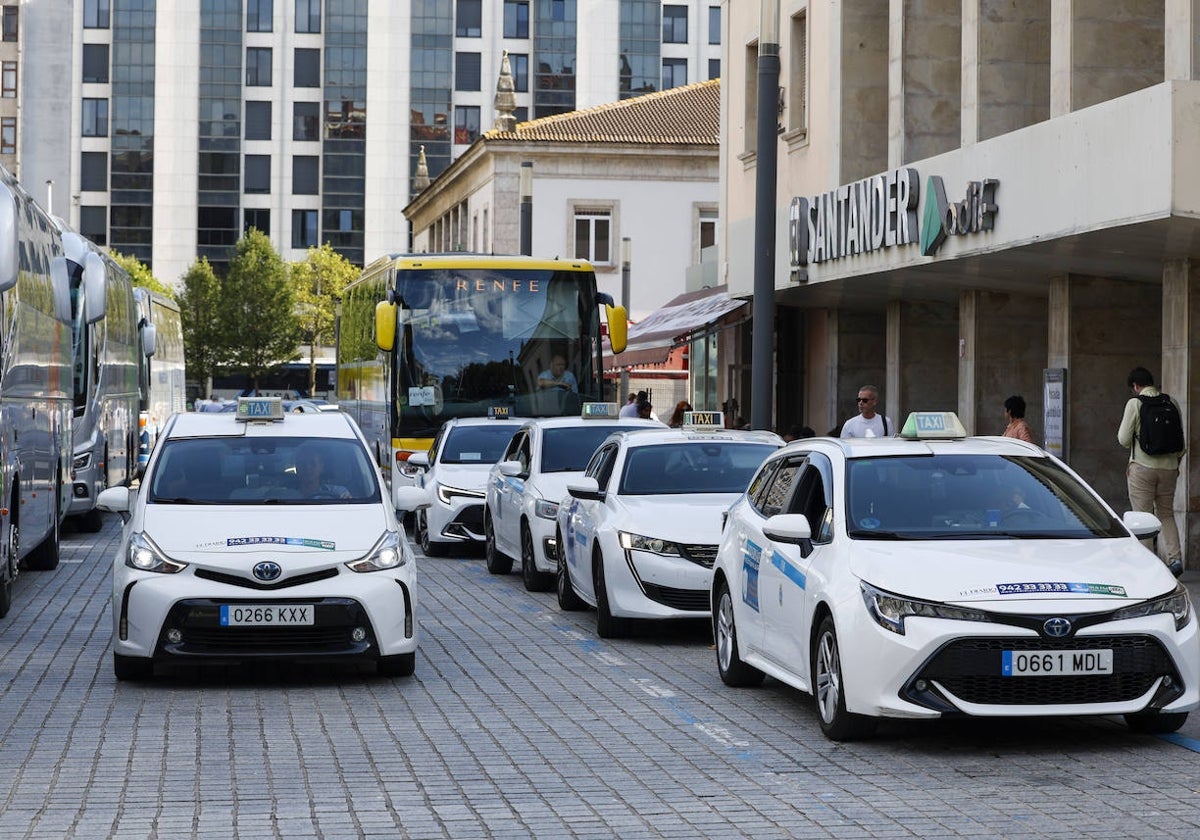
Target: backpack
[1160, 428]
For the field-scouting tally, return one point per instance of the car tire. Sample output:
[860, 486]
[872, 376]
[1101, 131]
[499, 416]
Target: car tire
[1156, 723]
[534, 580]
[498, 563]
[568, 601]
[132, 667]
[45, 557]
[827, 689]
[733, 671]
[431, 548]
[11, 547]
[90, 522]
[400, 665]
[608, 626]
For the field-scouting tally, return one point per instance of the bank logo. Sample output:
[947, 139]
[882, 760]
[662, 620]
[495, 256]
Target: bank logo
[943, 218]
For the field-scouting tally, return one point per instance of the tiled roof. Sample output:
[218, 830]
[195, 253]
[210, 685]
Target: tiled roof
[687, 114]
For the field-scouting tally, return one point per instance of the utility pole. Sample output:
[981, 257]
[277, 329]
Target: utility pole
[763, 324]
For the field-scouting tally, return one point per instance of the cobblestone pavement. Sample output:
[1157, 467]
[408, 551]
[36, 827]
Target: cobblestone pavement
[520, 722]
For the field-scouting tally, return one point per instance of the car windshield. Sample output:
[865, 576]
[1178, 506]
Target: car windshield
[568, 449]
[262, 470]
[971, 497]
[476, 444]
[708, 467]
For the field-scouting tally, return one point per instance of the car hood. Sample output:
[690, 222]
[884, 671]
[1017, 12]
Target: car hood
[1012, 571]
[297, 536]
[692, 519]
[463, 476]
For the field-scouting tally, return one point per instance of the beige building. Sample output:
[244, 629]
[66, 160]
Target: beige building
[977, 198]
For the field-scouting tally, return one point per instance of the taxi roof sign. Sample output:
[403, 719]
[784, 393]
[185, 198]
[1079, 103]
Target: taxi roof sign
[259, 408]
[600, 411]
[933, 425]
[704, 419]
[499, 412]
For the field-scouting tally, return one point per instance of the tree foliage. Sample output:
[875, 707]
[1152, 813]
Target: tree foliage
[200, 311]
[318, 281]
[140, 274]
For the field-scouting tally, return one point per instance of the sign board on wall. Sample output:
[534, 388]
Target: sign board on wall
[1054, 410]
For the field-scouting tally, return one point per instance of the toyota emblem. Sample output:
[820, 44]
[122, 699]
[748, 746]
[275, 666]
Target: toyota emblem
[1057, 628]
[269, 571]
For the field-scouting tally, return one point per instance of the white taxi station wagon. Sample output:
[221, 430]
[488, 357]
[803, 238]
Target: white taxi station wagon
[938, 574]
[639, 531]
[260, 534]
[526, 485]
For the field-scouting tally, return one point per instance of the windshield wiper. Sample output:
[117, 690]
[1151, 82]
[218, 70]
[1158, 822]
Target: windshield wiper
[876, 534]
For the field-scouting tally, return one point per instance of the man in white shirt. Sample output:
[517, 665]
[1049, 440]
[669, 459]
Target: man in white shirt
[630, 409]
[868, 424]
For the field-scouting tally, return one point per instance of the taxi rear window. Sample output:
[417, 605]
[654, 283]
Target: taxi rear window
[263, 470]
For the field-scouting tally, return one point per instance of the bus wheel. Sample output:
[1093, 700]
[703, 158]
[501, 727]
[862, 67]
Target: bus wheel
[10, 567]
[90, 522]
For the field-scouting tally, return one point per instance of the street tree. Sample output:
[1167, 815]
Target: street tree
[200, 311]
[258, 309]
[140, 274]
[318, 281]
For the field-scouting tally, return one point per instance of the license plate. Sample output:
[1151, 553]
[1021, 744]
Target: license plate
[1066, 663]
[266, 615]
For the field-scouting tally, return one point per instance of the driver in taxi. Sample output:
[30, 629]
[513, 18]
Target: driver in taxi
[310, 467]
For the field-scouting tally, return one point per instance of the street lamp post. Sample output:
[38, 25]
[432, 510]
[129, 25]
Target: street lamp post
[626, 253]
[525, 188]
[762, 376]
[50, 197]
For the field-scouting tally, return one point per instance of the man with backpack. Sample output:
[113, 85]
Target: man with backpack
[1152, 430]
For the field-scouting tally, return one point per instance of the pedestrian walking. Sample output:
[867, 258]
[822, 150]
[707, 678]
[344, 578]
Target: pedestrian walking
[1014, 414]
[868, 424]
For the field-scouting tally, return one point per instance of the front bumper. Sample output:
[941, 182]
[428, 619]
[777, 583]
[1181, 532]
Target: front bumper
[460, 523]
[86, 484]
[642, 584]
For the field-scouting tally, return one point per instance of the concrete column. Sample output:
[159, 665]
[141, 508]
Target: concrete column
[895, 115]
[969, 119]
[1180, 299]
[968, 305]
[1010, 354]
[891, 379]
[861, 357]
[922, 358]
[1182, 37]
[1061, 59]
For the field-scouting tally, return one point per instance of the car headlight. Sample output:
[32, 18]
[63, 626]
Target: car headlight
[889, 611]
[653, 544]
[446, 493]
[390, 552]
[145, 556]
[1177, 603]
[545, 510]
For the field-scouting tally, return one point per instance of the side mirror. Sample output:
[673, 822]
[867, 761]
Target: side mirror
[116, 500]
[1143, 525]
[790, 528]
[511, 469]
[419, 459]
[95, 286]
[409, 498]
[618, 328]
[149, 340]
[587, 489]
[385, 326]
[9, 245]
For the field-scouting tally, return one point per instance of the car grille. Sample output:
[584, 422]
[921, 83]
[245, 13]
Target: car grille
[471, 518]
[696, 600]
[704, 555]
[250, 583]
[199, 622]
[970, 670]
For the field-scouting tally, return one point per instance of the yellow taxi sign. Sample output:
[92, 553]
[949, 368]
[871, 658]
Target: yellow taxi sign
[933, 425]
[259, 408]
[499, 412]
[704, 419]
[599, 411]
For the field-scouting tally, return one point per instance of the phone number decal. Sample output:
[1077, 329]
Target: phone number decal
[326, 545]
[1057, 587]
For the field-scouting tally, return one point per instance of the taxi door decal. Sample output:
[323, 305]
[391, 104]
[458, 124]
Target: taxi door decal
[750, 560]
[789, 571]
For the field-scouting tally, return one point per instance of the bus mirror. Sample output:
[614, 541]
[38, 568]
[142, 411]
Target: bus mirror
[8, 236]
[618, 328]
[149, 340]
[60, 277]
[385, 326]
[94, 287]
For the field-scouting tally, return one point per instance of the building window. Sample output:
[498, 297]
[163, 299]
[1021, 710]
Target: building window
[519, 64]
[706, 235]
[96, 14]
[258, 66]
[306, 121]
[258, 218]
[258, 120]
[593, 235]
[516, 18]
[674, 73]
[95, 63]
[95, 118]
[308, 15]
[93, 171]
[675, 24]
[8, 80]
[307, 72]
[8, 135]
[10, 23]
[468, 19]
[466, 124]
[558, 10]
[257, 177]
[714, 24]
[259, 15]
[797, 83]
[466, 71]
[304, 229]
[305, 171]
[714, 68]
[93, 224]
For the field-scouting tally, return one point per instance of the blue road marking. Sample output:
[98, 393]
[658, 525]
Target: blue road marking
[1182, 741]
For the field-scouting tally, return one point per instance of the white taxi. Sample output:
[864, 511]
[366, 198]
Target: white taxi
[525, 487]
[261, 535]
[639, 531]
[937, 574]
[455, 475]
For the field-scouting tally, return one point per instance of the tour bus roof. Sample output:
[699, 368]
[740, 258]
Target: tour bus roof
[465, 260]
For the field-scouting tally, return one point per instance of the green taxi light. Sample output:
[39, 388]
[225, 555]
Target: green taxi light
[259, 408]
[933, 425]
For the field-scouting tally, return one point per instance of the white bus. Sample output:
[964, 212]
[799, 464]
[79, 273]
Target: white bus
[161, 373]
[105, 381]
